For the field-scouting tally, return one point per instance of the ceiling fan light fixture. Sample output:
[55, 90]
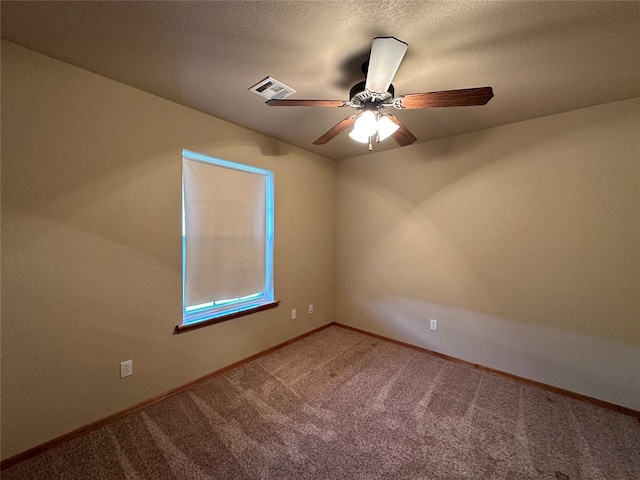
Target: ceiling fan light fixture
[366, 124]
[386, 128]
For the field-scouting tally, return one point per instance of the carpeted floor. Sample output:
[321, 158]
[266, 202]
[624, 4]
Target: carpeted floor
[341, 405]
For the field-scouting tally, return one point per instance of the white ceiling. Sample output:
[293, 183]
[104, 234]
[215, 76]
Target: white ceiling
[540, 58]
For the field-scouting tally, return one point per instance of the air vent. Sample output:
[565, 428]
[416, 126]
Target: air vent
[270, 88]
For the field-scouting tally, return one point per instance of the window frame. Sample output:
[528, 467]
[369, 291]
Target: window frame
[226, 309]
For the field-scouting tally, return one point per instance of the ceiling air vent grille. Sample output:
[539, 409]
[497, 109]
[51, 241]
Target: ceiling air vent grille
[270, 88]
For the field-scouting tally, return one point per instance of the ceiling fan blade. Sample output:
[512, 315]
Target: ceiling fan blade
[337, 129]
[448, 98]
[386, 55]
[307, 103]
[402, 136]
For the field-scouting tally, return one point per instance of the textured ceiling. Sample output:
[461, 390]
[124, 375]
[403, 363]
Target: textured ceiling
[540, 57]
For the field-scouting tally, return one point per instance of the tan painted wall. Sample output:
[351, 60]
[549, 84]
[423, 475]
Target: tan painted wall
[522, 240]
[91, 246]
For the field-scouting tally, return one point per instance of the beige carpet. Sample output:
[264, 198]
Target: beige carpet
[342, 405]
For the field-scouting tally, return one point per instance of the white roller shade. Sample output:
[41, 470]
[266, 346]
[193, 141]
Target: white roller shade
[225, 232]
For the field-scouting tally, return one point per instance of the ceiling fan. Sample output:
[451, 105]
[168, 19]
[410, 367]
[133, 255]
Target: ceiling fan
[373, 96]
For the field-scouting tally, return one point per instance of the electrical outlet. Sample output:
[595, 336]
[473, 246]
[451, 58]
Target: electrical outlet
[126, 368]
[293, 314]
[311, 308]
[433, 324]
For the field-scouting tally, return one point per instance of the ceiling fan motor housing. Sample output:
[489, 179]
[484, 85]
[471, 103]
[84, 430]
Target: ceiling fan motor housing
[361, 98]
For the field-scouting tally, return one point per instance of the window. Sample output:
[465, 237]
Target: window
[227, 240]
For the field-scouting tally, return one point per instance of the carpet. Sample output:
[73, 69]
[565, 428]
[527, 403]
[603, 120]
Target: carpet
[342, 405]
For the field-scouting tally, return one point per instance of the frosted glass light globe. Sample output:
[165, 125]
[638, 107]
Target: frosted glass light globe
[366, 124]
[359, 136]
[386, 127]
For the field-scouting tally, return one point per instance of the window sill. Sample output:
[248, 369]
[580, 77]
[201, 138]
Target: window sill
[223, 318]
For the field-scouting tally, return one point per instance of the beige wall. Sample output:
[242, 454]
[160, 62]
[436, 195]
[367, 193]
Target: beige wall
[522, 240]
[91, 246]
